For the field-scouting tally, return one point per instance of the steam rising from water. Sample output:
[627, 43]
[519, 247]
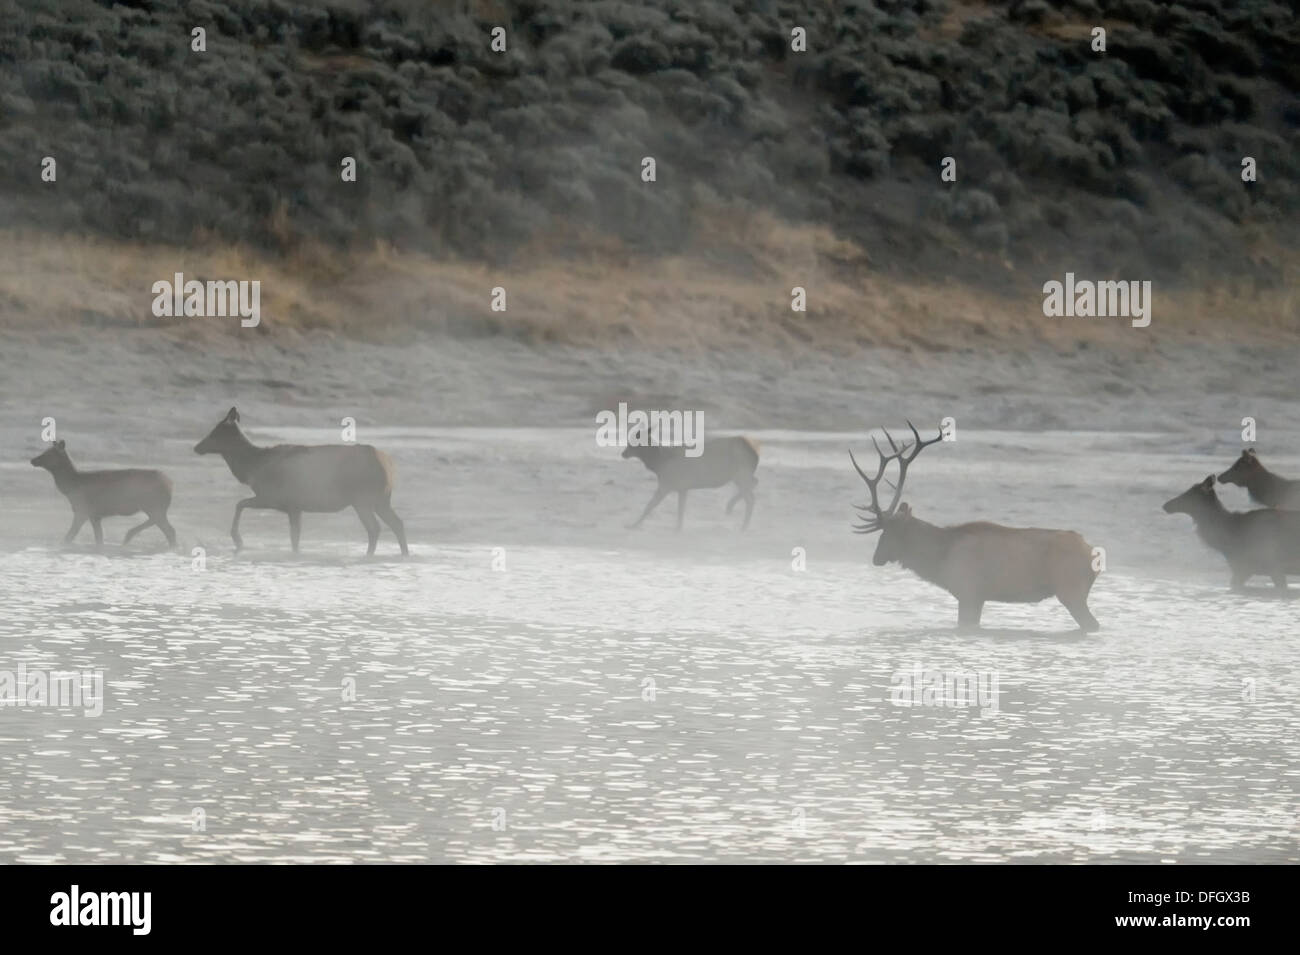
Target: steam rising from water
[769, 734]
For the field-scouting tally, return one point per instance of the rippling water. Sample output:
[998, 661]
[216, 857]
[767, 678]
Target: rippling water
[537, 683]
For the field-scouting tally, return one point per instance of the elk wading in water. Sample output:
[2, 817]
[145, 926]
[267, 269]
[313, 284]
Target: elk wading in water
[1263, 541]
[722, 461]
[95, 495]
[977, 562]
[297, 478]
[1264, 486]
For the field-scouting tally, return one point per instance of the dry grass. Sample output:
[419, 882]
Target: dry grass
[956, 18]
[732, 288]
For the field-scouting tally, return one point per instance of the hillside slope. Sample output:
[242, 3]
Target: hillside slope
[1067, 159]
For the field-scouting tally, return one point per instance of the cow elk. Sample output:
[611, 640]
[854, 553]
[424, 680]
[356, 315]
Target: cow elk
[95, 495]
[1263, 541]
[307, 478]
[1263, 485]
[979, 561]
[721, 461]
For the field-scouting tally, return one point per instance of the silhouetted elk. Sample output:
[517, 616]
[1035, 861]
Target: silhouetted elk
[1264, 541]
[95, 495]
[721, 461]
[979, 561]
[1263, 485]
[297, 478]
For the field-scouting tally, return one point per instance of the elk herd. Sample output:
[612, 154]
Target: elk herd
[292, 478]
[976, 562]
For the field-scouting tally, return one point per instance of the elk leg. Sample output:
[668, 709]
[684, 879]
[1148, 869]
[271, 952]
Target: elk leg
[166, 527]
[295, 528]
[1082, 616]
[681, 508]
[371, 522]
[660, 493]
[968, 614]
[77, 521]
[1238, 582]
[239, 509]
[137, 529]
[744, 492]
[1074, 597]
[385, 510]
[98, 528]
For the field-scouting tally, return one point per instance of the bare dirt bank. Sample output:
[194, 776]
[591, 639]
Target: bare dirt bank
[732, 288]
[404, 340]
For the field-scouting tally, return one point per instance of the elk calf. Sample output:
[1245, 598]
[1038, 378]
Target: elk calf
[298, 478]
[977, 562]
[722, 461]
[1263, 485]
[1263, 541]
[95, 495]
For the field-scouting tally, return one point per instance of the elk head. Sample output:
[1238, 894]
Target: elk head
[223, 437]
[643, 443]
[53, 457]
[895, 522]
[1243, 469]
[1195, 500]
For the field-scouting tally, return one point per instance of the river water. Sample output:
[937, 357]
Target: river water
[539, 683]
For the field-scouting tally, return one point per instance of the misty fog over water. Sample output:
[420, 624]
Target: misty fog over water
[645, 696]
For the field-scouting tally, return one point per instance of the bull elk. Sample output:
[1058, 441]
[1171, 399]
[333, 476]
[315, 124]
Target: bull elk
[1264, 486]
[979, 561]
[298, 478]
[721, 461]
[1263, 541]
[122, 492]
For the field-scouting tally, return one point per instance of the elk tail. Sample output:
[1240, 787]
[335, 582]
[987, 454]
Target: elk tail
[752, 444]
[389, 471]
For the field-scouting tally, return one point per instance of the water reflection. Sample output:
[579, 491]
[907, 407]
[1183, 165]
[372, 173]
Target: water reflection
[647, 697]
[335, 709]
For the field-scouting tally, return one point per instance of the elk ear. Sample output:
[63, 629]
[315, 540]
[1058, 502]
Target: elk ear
[232, 416]
[905, 510]
[59, 444]
[1249, 452]
[1208, 483]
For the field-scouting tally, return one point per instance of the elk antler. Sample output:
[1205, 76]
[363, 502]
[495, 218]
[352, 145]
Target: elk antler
[878, 514]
